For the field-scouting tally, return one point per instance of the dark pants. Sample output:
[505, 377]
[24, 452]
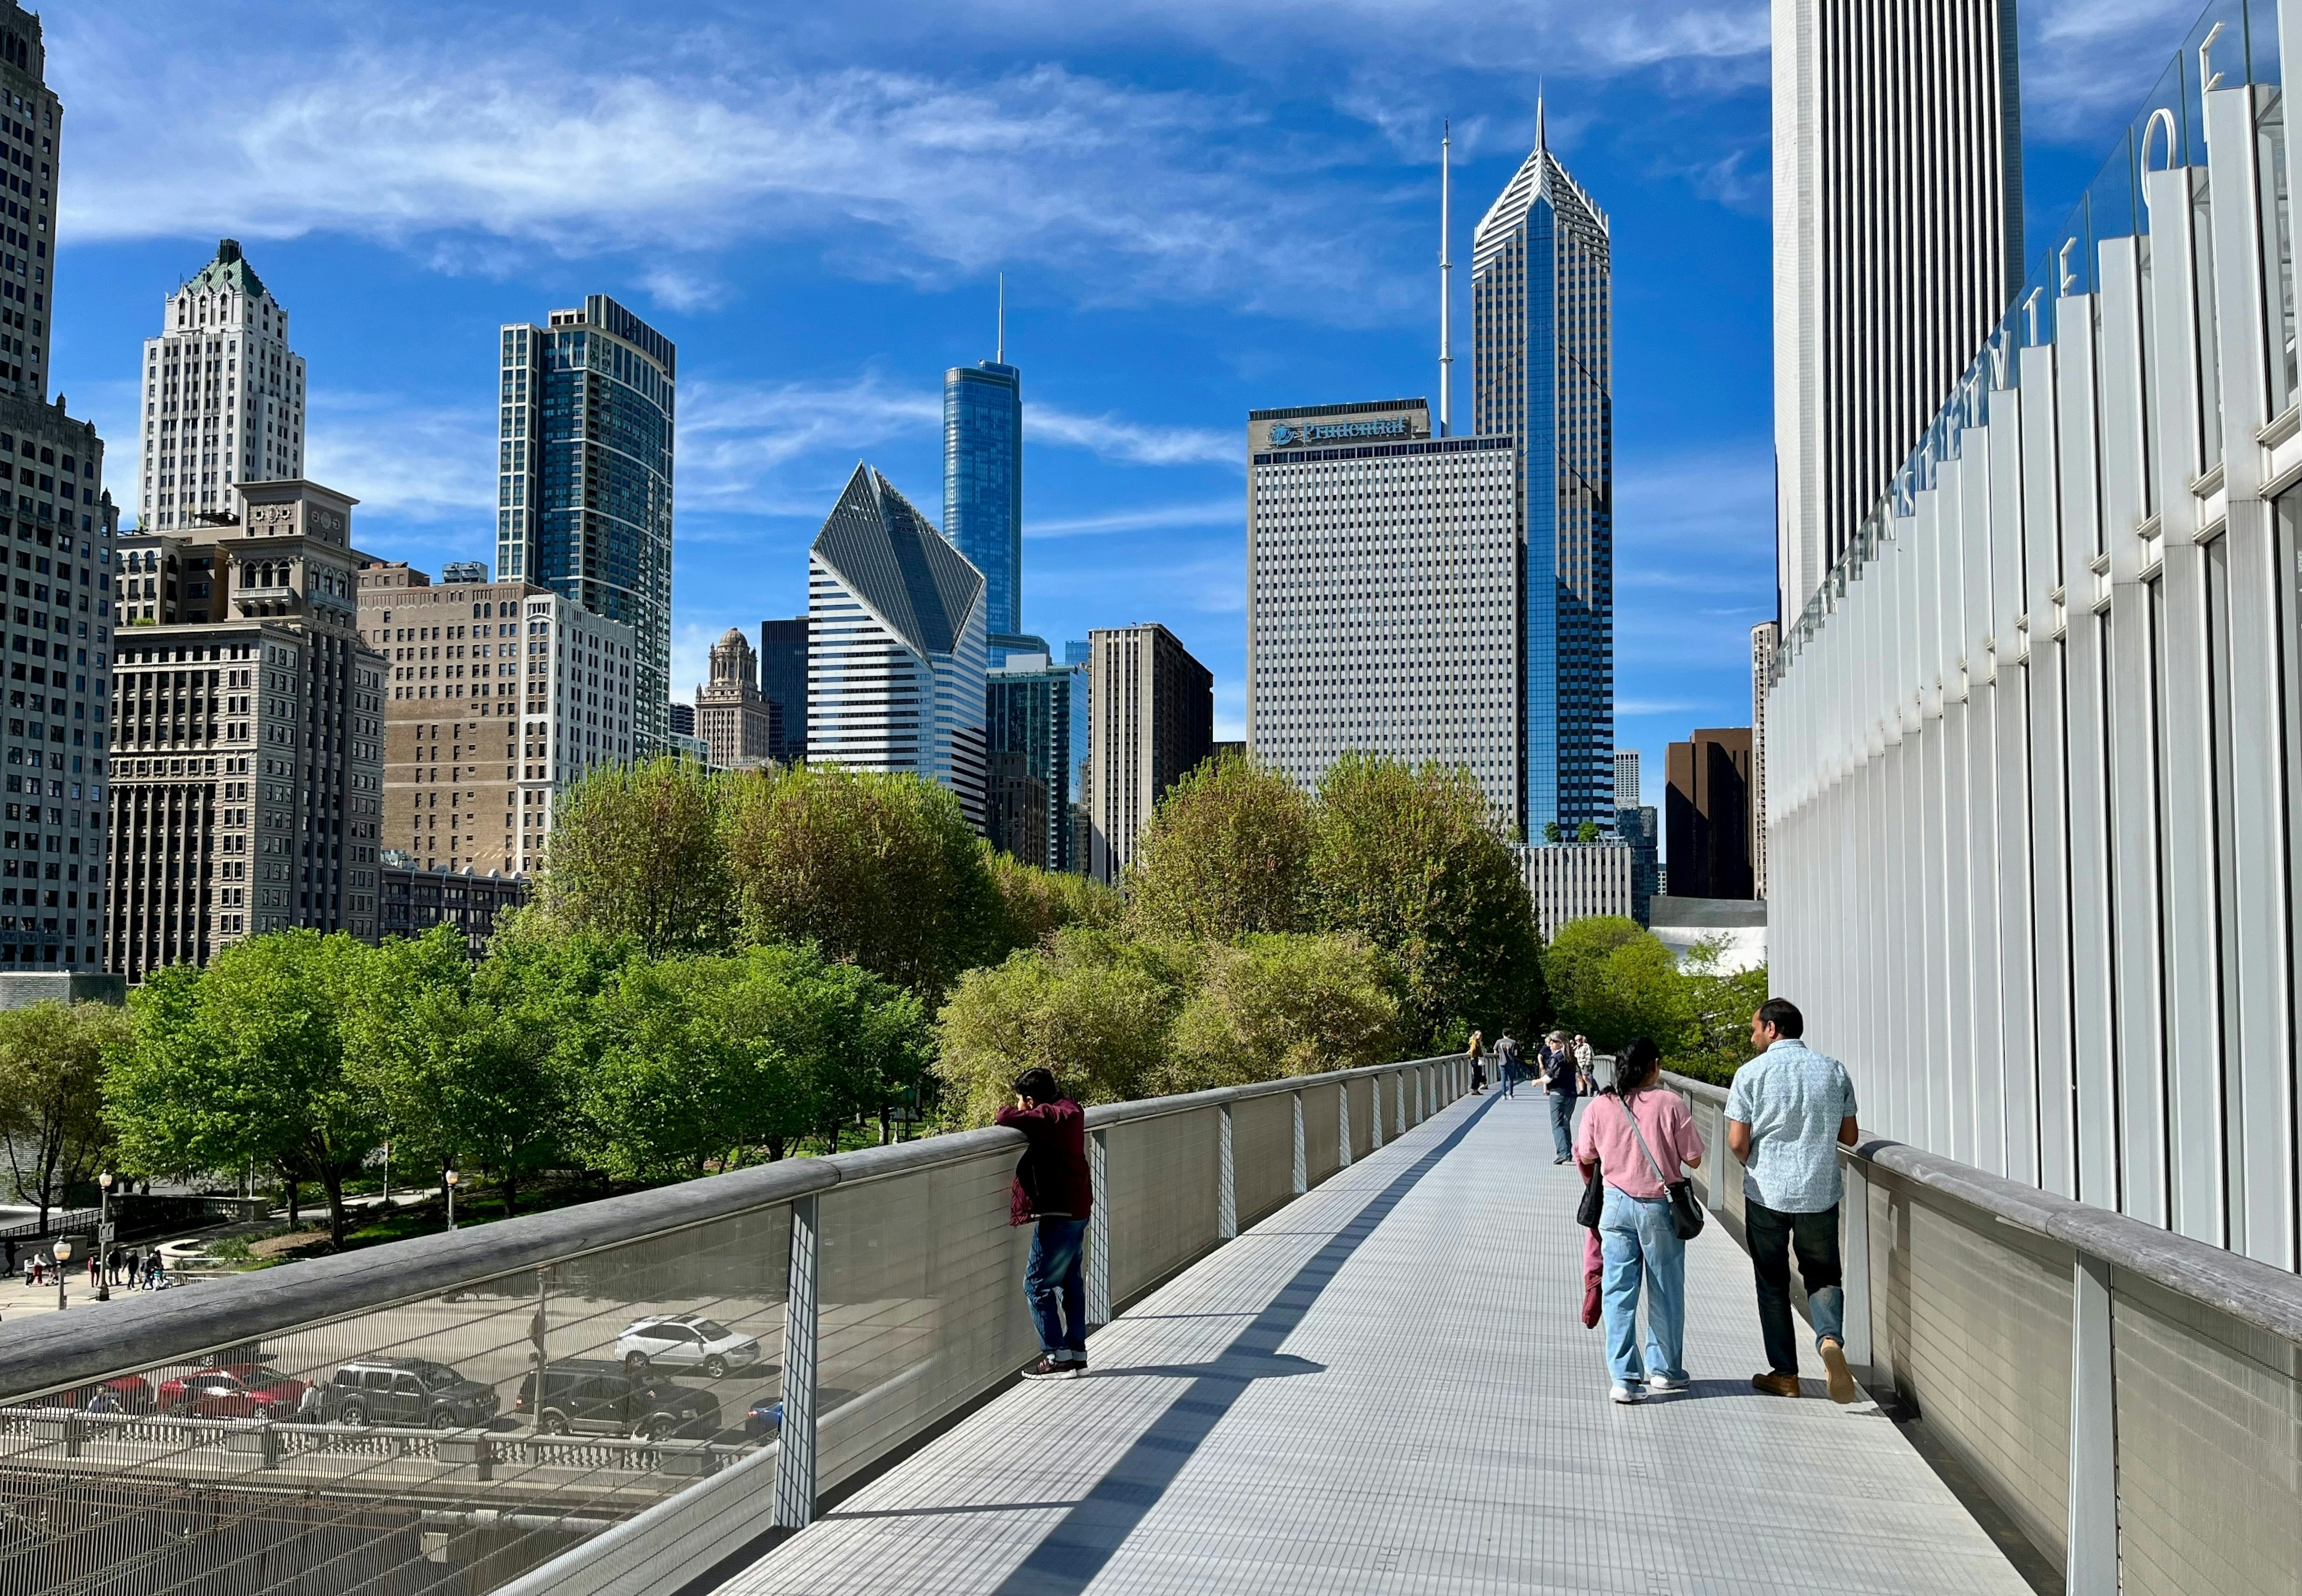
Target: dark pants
[1814, 1238]
[1054, 1280]
[1562, 1123]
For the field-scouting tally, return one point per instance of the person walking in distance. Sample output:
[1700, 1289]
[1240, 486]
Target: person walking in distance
[1583, 1056]
[1790, 1111]
[1562, 1081]
[1506, 1065]
[1638, 1137]
[1055, 1191]
[1478, 1063]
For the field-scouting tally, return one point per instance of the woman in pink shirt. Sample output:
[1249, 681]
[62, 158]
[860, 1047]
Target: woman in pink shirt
[1638, 1135]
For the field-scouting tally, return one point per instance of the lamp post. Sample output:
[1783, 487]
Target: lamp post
[103, 1237]
[451, 1199]
[63, 1252]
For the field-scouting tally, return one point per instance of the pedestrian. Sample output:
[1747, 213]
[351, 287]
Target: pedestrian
[135, 1263]
[1582, 1045]
[95, 1269]
[1637, 1135]
[1478, 1063]
[1054, 1190]
[1560, 1079]
[1789, 1112]
[1507, 1063]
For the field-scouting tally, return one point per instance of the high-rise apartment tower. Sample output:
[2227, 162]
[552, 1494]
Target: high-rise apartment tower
[583, 495]
[1626, 778]
[1151, 722]
[32, 132]
[1898, 245]
[223, 397]
[983, 489]
[782, 678]
[1541, 289]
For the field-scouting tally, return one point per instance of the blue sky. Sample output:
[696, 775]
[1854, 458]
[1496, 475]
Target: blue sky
[1201, 207]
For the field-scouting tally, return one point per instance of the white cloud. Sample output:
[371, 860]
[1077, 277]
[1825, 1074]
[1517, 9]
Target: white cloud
[405, 461]
[1207, 512]
[1134, 443]
[2089, 64]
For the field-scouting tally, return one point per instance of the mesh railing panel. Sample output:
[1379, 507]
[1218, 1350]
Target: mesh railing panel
[1262, 1153]
[921, 1304]
[1159, 1186]
[404, 1448]
[1363, 1095]
[1322, 1115]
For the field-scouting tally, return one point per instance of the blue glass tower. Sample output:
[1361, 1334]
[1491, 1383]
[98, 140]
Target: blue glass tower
[584, 501]
[1541, 283]
[983, 489]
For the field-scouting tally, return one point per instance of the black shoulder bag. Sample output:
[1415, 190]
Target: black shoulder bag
[1686, 1213]
[1594, 1198]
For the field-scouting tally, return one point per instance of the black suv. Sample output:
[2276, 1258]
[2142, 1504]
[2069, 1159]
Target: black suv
[407, 1392]
[584, 1397]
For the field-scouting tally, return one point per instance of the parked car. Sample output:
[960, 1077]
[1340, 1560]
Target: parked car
[409, 1391]
[232, 1391]
[686, 1341]
[586, 1397]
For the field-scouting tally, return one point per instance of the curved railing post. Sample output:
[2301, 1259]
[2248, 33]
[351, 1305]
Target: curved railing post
[795, 1441]
[1098, 1232]
[1375, 1114]
[1343, 1119]
[1302, 1164]
[1226, 1179]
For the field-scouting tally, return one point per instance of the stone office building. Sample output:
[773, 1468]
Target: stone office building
[248, 731]
[500, 695]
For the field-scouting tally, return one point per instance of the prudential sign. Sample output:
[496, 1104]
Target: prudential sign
[1295, 434]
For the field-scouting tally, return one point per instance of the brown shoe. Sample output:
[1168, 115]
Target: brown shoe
[1842, 1389]
[1776, 1385]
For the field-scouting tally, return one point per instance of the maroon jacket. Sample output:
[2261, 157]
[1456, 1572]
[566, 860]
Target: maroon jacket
[1052, 1181]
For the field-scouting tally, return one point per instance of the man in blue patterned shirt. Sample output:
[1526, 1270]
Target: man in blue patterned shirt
[1790, 1111]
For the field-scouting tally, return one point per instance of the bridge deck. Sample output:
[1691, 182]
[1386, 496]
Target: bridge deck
[1387, 1387]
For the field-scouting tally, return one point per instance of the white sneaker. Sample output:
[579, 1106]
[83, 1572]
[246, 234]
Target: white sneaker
[1664, 1382]
[1626, 1395]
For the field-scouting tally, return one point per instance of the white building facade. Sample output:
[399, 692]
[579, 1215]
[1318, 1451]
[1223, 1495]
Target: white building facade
[1626, 779]
[2035, 747]
[1384, 581]
[1572, 881]
[896, 658]
[223, 397]
[1898, 242]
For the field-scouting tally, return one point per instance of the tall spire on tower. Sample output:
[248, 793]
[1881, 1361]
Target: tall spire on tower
[1542, 137]
[1446, 288]
[999, 346]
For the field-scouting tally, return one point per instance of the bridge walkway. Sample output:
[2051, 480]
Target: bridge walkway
[1387, 1386]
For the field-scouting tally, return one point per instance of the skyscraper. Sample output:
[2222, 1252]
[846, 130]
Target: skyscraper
[31, 124]
[584, 480]
[983, 489]
[224, 396]
[1766, 639]
[782, 678]
[732, 716]
[895, 645]
[1421, 533]
[1707, 814]
[1541, 286]
[1029, 718]
[1151, 721]
[1898, 244]
[1626, 778]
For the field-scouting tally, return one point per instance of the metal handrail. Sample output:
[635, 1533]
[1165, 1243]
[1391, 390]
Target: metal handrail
[62, 1351]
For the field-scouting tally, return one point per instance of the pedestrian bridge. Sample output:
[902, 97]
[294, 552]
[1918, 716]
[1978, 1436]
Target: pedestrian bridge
[1347, 1356]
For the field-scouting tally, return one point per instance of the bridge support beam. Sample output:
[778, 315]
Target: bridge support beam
[795, 1439]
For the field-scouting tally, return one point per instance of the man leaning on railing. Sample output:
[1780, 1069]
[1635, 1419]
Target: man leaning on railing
[1054, 1188]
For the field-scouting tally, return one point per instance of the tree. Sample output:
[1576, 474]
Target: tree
[1223, 857]
[1720, 1004]
[1036, 903]
[1612, 981]
[1408, 859]
[245, 1063]
[635, 850]
[876, 869]
[1093, 1007]
[1587, 833]
[53, 1058]
[1275, 1006]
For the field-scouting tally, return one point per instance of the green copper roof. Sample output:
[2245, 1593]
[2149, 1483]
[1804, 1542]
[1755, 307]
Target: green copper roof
[227, 271]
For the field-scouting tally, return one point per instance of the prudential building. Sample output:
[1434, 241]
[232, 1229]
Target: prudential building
[1540, 320]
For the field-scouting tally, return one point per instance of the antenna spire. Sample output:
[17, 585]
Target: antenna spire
[1446, 286]
[999, 347]
[1541, 135]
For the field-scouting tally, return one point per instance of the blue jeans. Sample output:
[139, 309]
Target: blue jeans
[1814, 1238]
[1562, 1123]
[1635, 1239]
[1054, 1280]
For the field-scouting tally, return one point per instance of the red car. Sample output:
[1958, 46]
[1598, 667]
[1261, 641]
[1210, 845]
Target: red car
[232, 1391]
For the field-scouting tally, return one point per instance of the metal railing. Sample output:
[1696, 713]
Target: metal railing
[851, 1307]
[2130, 1398]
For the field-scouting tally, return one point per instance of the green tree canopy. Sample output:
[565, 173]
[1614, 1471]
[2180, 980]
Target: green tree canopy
[1612, 981]
[245, 1061]
[53, 1058]
[1407, 858]
[1225, 856]
[1035, 904]
[878, 870]
[635, 850]
[1274, 1005]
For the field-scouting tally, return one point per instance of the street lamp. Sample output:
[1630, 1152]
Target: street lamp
[103, 1237]
[62, 1252]
[451, 1199]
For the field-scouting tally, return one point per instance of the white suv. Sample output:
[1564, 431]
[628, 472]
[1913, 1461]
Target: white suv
[686, 1341]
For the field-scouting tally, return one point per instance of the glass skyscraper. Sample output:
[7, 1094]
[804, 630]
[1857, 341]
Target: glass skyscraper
[584, 489]
[1540, 284]
[983, 489]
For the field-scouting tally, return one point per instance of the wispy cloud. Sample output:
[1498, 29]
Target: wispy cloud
[2089, 64]
[1206, 512]
[407, 461]
[1135, 442]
